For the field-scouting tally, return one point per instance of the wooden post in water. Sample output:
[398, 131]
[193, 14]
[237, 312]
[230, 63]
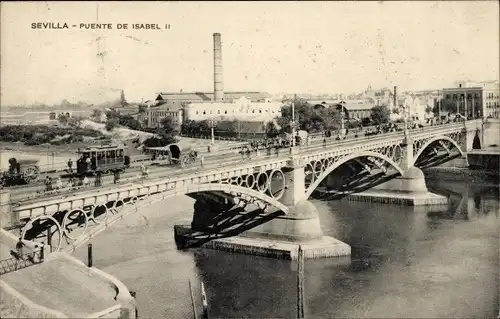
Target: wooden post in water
[204, 302]
[300, 283]
[89, 255]
[192, 300]
[49, 238]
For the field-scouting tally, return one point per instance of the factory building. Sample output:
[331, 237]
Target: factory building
[217, 105]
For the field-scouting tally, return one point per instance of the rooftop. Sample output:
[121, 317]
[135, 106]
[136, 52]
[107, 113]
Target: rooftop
[209, 96]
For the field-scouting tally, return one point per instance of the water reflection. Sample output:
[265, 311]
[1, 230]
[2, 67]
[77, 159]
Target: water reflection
[406, 262]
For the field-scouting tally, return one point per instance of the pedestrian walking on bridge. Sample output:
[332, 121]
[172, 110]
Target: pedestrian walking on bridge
[70, 166]
[116, 176]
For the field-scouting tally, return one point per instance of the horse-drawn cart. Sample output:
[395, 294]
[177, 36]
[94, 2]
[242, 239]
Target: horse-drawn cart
[23, 171]
[172, 155]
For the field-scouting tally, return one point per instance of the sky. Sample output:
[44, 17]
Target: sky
[285, 47]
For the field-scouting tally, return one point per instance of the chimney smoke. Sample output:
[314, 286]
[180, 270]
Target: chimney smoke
[218, 81]
[395, 97]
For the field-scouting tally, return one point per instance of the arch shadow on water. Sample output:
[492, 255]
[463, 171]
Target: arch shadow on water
[225, 224]
[354, 183]
[466, 203]
[430, 160]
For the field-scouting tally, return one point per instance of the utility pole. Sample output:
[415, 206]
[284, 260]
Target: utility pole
[300, 283]
[439, 104]
[466, 114]
[473, 107]
[293, 120]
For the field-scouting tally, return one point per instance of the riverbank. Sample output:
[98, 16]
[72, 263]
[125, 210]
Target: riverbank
[41, 149]
[490, 177]
[403, 252]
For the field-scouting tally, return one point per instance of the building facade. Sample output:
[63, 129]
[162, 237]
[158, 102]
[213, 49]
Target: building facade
[152, 116]
[183, 98]
[241, 109]
[358, 109]
[473, 99]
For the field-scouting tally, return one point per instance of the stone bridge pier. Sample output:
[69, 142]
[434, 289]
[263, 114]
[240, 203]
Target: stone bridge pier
[299, 225]
[410, 187]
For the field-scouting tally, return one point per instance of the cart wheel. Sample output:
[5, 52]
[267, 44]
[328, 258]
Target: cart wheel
[31, 174]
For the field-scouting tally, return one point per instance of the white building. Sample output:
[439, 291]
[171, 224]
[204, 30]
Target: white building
[474, 99]
[241, 109]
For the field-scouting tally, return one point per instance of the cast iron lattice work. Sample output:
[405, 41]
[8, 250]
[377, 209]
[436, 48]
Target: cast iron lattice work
[381, 157]
[21, 261]
[262, 189]
[270, 183]
[69, 225]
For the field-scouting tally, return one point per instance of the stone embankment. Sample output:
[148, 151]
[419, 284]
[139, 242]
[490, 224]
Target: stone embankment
[63, 287]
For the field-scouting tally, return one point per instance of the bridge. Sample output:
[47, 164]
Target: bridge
[275, 188]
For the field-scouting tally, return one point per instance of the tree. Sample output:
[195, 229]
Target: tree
[168, 130]
[204, 126]
[271, 129]
[65, 103]
[96, 114]
[129, 121]
[143, 108]
[190, 127]
[63, 118]
[435, 109]
[111, 123]
[311, 118]
[123, 100]
[75, 121]
[380, 114]
[428, 109]
[449, 106]
[366, 121]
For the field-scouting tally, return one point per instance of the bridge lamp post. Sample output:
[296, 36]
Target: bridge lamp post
[292, 124]
[342, 119]
[212, 124]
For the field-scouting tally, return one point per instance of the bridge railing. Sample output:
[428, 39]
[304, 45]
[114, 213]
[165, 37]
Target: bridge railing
[231, 160]
[21, 261]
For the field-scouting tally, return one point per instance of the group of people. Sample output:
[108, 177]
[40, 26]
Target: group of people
[50, 186]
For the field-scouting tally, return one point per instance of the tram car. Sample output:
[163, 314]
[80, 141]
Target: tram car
[173, 155]
[20, 172]
[103, 159]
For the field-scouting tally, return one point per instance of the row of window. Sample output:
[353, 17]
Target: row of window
[491, 96]
[359, 114]
[492, 105]
[248, 111]
[457, 96]
[164, 114]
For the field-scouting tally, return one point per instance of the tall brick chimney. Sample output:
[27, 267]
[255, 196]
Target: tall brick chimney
[395, 97]
[218, 81]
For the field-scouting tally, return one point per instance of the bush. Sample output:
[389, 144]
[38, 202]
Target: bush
[157, 142]
[111, 124]
[40, 134]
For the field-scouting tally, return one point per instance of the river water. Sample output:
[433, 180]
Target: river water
[406, 262]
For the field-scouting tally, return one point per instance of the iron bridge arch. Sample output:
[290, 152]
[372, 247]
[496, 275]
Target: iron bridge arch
[346, 159]
[421, 150]
[83, 218]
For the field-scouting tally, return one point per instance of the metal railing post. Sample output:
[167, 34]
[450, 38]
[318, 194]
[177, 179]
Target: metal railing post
[42, 253]
[89, 255]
